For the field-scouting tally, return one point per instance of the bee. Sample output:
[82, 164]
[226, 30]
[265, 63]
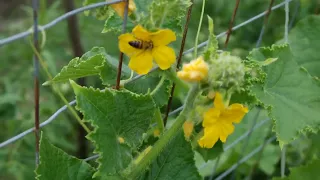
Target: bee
[139, 44]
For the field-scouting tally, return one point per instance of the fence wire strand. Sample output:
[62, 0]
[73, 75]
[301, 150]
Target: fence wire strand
[21, 135]
[55, 21]
[48, 121]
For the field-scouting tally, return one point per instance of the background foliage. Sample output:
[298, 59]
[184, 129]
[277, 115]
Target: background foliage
[16, 85]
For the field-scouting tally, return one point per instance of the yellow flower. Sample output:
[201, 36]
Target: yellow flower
[120, 140]
[143, 46]
[194, 71]
[120, 7]
[187, 129]
[156, 133]
[218, 121]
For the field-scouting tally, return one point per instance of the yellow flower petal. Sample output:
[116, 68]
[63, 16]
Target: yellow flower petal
[225, 130]
[164, 56]
[210, 117]
[163, 37]
[187, 129]
[125, 47]
[140, 33]
[141, 63]
[218, 101]
[234, 113]
[209, 138]
[194, 71]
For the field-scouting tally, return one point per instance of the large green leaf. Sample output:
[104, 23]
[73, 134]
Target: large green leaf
[94, 62]
[115, 115]
[56, 164]
[307, 172]
[304, 40]
[175, 162]
[292, 95]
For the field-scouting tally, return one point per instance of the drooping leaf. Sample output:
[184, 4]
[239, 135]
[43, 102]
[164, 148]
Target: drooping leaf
[292, 96]
[304, 40]
[120, 118]
[56, 164]
[307, 172]
[175, 162]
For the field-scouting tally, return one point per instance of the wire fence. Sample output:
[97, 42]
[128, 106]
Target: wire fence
[247, 134]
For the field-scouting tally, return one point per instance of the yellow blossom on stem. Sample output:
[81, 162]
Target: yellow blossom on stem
[218, 121]
[120, 7]
[143, 46]
[187, 129]
[194, 71]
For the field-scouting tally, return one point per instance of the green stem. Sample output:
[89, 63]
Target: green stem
[158, 85]
[134, 170]
[159, 120]
[199, 27]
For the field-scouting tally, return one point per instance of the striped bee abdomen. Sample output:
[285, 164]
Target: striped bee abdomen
[139, 44]
[136, 44]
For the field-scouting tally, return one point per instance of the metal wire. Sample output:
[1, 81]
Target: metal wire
[244, 159]
[55, 21]
[286, 32]
[48, 121]
[13, 38]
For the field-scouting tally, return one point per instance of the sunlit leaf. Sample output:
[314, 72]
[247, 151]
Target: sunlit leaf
[293, 97]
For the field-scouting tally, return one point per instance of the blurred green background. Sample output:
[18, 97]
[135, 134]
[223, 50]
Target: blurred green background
[16, 71]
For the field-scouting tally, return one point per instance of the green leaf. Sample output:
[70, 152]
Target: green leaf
[78, 68]
[114, 24]
[212, 153]
[293, 97]
[304, 40]
[114, 115]
[94, 62]
[167, 14]
[212, 46]
[175, 162]
[148, 83]
[100, 13]
[56, 164]
[307, 172]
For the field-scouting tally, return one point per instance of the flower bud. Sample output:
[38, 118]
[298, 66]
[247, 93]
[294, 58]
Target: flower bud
[227, 72]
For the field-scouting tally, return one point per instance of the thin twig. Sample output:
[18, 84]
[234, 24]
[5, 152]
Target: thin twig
[124, 27]
[231, 23]
[185, 32]
[35, 6]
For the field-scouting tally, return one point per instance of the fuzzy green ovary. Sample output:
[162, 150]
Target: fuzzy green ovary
[227, 72]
